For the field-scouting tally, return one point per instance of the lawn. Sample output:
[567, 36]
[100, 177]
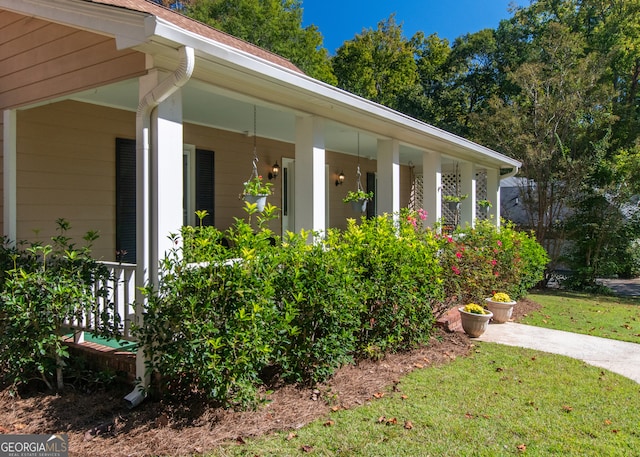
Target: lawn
[608, 317]
[498, 401]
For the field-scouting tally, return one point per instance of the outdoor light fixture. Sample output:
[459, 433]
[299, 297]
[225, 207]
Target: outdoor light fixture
[340, 179]
[275, 171]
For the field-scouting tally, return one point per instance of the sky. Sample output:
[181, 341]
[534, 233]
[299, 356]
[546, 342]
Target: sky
[341, 20]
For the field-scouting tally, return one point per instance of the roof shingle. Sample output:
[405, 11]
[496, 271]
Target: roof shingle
[184, 22]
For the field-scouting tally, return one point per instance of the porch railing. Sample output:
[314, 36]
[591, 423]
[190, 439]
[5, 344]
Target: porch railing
[121, 292]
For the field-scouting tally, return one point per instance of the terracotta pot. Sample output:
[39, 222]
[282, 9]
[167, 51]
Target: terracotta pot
[473, 324]
[501, 310]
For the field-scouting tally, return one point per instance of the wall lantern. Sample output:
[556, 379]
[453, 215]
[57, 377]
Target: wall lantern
[275, 171]
[340, 179]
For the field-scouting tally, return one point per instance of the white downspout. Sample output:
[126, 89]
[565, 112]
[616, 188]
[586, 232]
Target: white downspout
[514, 171]
[143, 197]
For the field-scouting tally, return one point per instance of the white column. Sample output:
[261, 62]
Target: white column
[432, 186]
[310, 181]
[468, 186]
[388, 198]
[9, 173]
[493, 194]
[166, 178]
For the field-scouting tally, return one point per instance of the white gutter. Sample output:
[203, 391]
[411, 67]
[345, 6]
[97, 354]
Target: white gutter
[514, 171]
[146, 272]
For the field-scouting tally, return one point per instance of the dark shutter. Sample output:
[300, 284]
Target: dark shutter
[371, 187]
[126, 200]
[204, 184]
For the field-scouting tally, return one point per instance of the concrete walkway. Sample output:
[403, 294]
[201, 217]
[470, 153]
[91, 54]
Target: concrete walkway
[616, 356]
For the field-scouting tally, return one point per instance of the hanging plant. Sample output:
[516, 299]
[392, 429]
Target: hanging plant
[255, 186]
[357, 196]
[255, 190]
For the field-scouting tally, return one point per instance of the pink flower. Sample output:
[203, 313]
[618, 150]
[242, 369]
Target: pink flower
[458, 254]
[455, 269]
[412, 221]
[422, 214]
[496, 273]
[493, 262]
[449, 239]
[499, 243]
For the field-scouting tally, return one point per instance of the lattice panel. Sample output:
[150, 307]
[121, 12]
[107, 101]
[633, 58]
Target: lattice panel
[449, 187]
[415, 199]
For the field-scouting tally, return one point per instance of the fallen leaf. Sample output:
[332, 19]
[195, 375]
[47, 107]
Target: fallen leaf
[408, 425]
[567, 408]
[499, 369]
[291, 436]
[486, 416]
[329, 423]
[307, 448]
[533, 358]
[162, 421]
[381, 419]
[418, 365]
[522, 447]
[614, 431]
[426, 360]
[335, 408]
[392, 421]
[404, 397]
[607, 422]
[379, 394]
[240, 440]
[469, 416]
[19, 426]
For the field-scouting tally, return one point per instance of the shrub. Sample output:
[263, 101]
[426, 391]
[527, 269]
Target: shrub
[46, 286]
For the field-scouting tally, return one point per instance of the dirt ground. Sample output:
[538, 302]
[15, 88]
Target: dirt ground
[98, 423]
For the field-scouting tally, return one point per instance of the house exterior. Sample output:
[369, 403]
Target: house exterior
[125, 117]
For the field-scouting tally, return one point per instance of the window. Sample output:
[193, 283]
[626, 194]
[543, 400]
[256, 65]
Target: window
[198, 192]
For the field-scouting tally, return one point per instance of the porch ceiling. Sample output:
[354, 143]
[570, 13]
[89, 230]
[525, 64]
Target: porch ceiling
[204, 105]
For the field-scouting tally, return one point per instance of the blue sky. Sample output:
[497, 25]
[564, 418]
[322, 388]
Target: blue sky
[341, 20]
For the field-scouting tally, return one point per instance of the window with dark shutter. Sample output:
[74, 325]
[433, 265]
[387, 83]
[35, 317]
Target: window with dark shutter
[126, 200]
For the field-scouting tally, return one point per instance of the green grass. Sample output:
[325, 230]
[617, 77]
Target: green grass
[608, 317]
[487, 404]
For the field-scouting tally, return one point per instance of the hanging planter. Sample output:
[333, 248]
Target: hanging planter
[453, 201]
[259, 200]
[255, 190]
[358, 199]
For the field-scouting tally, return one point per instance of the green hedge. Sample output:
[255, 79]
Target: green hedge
[266, 306]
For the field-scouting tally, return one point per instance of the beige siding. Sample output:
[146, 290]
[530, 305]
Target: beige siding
[40, 60]
[233, 166]
[66, 169]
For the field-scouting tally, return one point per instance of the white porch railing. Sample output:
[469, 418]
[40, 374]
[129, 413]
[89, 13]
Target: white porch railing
[121, 292]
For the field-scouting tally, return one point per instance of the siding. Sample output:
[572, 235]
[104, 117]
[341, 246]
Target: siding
[40, 60]
[66, 168]
[1, 174]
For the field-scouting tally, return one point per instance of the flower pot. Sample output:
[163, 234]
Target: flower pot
[453, 206]
[474, 325]
[501, 310]
[259, 200]
[359, 206]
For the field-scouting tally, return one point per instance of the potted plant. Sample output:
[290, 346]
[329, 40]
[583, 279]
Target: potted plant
[485, 205]
[501, 305]
[475, 319]
[358, 199]
[256, 191]
[454, 201]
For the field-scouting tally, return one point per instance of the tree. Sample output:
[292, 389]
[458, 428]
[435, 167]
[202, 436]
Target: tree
[274, 25]
[561, 110]
[377, 64]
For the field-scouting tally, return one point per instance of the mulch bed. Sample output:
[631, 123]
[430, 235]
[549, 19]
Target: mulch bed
[99, 424]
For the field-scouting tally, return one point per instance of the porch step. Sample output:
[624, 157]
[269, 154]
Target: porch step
[450, 321]
[101, 355]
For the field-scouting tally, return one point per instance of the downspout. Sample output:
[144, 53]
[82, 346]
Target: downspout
[144, 269]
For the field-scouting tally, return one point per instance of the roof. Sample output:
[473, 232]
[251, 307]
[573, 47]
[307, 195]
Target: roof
[186, 23]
